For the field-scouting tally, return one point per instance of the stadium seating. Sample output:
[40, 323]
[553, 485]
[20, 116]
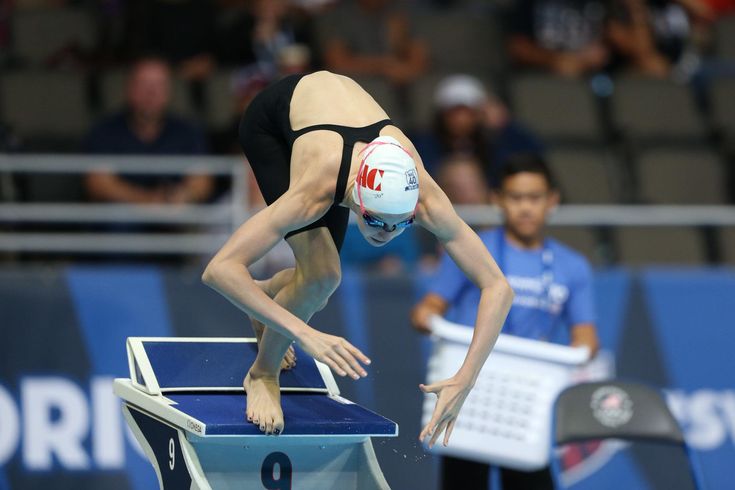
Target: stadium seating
[558, 109]
[220, 108]
[460, 42]
[583, 240]
[45, 106]
[586, 176]
[638, 246]
[646, 110]
[40, 33]
[725, 38]
[681, 176]
[727, 245]
[722, 102]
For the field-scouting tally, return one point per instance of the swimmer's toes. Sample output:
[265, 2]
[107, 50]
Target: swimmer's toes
[278, 426]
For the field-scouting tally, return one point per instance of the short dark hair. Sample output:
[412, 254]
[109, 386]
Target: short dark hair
[526, 162]
[147, 57]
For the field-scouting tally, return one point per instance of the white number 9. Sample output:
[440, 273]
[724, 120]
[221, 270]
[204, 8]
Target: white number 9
[171, 454]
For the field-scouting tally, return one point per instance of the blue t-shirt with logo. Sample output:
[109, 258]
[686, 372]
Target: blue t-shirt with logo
[552, 285]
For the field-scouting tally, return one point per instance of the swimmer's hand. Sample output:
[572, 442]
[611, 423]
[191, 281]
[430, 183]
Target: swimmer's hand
[341, 356]
[451, 394]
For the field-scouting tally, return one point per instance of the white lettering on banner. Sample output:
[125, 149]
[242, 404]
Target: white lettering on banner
[9, 426]
[727, 404]
[707, 416]
[108, 445]
[55, 423]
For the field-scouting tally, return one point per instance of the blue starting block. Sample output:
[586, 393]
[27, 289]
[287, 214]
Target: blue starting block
[186, 406]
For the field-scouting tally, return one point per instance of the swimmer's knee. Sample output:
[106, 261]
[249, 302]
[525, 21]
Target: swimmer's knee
[320, 283]
[322, 305]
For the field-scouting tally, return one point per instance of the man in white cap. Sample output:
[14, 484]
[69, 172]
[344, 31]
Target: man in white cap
[470, 120]
[320, 146]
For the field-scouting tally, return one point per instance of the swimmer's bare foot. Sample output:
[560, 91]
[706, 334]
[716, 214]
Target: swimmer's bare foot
[289, 360]
[264, 403]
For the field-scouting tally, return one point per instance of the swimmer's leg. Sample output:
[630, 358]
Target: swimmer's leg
[271, 287]
[315, 277]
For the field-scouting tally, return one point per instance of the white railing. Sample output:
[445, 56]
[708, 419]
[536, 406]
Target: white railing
[214, 222]
[616, 215]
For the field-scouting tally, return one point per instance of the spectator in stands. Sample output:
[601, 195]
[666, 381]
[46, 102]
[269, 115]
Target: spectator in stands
[463, 181]
[652, 34]
[373, 38]
[145, 127]
[470, 120]
[553, 288]
[183, 32]
[260, 34]
[6, 10]
[578, 37]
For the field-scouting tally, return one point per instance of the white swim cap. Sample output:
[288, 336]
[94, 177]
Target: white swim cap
[387, 181]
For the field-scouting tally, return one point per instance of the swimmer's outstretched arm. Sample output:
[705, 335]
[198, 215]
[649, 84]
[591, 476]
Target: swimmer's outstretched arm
[227, 273]
[436, 214]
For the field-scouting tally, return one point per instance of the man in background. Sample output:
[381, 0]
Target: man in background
[374, 38]
[145, 127]
[553, 293]
[469, 119]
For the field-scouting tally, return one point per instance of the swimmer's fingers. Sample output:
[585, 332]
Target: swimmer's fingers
[428, 429]
[344, 366]
[448, 432]
[357, 353]
[432, 388]
[439, 429]
[345, 353]
[440, 411]
[333, 366]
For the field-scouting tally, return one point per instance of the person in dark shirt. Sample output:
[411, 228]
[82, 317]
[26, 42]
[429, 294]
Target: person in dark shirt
[374, 38]
[471, 121]
[145, 127]
[574, 38]
[260, 34]
[567, 37]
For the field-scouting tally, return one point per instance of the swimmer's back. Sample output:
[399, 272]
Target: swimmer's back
[327, 98]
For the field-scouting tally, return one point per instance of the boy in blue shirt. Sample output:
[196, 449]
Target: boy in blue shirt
[553, 294]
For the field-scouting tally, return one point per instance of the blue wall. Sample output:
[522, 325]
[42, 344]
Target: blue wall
[63, 332]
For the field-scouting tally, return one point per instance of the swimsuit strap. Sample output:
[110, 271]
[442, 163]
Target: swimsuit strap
[350, 136]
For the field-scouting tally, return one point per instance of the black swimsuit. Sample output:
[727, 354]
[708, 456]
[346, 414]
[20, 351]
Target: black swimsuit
[267, 140]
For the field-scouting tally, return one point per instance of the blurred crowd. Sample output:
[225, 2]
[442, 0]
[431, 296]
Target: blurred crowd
[165, 77]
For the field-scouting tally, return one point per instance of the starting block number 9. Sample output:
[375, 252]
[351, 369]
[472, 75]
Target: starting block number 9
[171, 454]
[268, 472]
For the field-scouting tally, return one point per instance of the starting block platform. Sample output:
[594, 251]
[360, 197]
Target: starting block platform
[186, 406]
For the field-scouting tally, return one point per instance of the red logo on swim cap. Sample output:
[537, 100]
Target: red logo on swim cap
[371, 178]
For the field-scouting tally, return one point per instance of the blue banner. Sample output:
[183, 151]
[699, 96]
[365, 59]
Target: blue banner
[64, 331]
